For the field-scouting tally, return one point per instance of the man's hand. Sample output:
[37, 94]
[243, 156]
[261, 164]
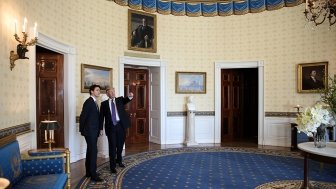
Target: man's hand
[130, 94]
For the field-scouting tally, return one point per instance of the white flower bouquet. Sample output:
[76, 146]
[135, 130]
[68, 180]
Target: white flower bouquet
[313, 117]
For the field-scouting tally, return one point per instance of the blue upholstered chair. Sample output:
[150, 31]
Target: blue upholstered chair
[35, 169]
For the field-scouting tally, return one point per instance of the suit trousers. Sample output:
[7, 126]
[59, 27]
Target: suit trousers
[116, 139]
[91, 155]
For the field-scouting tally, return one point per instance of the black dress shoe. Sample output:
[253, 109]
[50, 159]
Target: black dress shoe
[96, 179]
[113, 171]
[89, 175]
[121, 165]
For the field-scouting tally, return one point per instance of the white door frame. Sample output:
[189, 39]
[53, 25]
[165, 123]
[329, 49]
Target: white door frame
[148, 63]
[261, 112]
[69, 54]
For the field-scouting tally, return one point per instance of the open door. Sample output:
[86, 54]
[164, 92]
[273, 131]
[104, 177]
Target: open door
[49, 94]
[155, 105]
[239, 108]
[136, 81]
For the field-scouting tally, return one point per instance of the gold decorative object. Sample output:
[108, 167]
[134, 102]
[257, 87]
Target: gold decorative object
[297, 107]
[49, 127]
[21, 48]
[318, 10]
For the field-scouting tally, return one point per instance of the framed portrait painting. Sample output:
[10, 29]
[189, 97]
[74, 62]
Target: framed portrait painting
[91, 74]
[190, 82]
[141, 31]
[312, 77]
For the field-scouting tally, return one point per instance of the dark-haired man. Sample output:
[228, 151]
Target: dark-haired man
[90, 128]
[312, 82]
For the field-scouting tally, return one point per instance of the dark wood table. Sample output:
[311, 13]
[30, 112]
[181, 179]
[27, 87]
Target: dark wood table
[309, 151]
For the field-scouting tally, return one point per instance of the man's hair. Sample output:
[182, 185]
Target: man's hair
[109, 88]
[92, 87]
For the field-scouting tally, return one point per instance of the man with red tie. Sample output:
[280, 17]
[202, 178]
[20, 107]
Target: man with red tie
[116, 123]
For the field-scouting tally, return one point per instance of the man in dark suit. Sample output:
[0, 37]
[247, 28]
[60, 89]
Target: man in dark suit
[312, 82]
[116, 123]
[143, 35]
[90, 128]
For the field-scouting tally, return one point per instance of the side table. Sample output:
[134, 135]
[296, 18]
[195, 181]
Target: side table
[309, 151]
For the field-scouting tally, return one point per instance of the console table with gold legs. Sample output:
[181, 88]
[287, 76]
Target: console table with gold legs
[309, 151]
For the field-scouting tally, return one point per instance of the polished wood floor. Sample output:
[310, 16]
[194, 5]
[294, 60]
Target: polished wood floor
[78, 168]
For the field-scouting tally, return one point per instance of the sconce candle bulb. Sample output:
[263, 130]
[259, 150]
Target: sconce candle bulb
[21, 48]
[15, 25]
[24, 24]
[35, 29]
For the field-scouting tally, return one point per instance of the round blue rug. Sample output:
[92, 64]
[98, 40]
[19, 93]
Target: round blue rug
[213, 167]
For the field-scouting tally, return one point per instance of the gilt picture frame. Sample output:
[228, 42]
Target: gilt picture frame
[312, 77]
[91, 74]
[190, 82]
[140, 25]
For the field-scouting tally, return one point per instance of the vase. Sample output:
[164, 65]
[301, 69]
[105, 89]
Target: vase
[320, 137]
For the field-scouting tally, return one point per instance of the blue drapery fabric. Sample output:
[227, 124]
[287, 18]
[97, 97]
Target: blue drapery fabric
[223, 8]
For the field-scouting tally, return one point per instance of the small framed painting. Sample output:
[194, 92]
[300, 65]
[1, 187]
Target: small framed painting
[312, 77]
[190, 82]
[91, 74]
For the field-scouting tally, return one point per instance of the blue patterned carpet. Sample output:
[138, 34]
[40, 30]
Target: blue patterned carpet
[216, 167]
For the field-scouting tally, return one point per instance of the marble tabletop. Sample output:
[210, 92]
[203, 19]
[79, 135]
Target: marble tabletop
[328, 151]
[4, 183]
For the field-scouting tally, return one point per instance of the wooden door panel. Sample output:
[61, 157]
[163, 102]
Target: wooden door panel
[231, 104]
[47, 103]
[141, 99]
[136, 81]
[140, 128]
[49, 98]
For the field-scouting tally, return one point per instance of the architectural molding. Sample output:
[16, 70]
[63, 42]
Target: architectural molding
[17, 129]
[280, 114]
[69, 54]
[219, 65]
[197, 113]
[151, 63]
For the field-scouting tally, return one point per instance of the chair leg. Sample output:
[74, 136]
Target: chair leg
[67, 168]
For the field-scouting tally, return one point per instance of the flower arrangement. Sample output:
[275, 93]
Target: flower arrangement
[313, 117]
[328, 95]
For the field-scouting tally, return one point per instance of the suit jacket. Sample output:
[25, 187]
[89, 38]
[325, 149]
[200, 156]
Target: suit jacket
[89, 118]
[105, 113]
[309, 84]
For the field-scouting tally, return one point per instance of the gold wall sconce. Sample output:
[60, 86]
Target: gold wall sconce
[21, 48]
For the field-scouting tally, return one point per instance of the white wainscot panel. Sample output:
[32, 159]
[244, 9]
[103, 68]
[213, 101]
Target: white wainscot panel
[25, 141]
[278, 131]
[154, 135]
[205, 129]
[103, 149]
[175, 130]
[79, 151]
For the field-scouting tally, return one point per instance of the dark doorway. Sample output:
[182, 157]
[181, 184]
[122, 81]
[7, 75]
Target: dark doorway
[49, 94]
[136, 81]
[239, 105]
